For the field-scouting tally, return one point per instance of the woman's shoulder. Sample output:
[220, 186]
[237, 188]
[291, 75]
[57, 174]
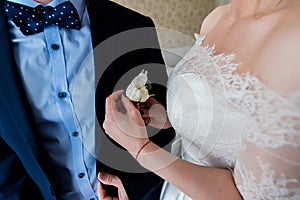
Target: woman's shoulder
[213, 18]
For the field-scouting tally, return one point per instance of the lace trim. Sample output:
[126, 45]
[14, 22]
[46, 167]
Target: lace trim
[273, 118]
[269, 185]
[272, 125]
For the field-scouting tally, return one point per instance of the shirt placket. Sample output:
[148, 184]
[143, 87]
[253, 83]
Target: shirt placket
[64, 102]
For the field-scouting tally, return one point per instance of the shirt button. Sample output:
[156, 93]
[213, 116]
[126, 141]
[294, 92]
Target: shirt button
[75, 134]
[81, 175]
[55, 46]
[62, 94]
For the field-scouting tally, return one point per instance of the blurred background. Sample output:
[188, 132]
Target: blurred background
[176, 22]
[184, 17]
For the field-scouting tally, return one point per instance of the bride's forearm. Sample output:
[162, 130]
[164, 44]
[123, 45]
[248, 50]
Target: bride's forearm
[196, 181]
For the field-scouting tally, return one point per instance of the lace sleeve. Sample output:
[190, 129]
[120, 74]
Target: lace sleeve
[268, 165]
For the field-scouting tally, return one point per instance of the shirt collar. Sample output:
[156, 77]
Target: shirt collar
[79, 4]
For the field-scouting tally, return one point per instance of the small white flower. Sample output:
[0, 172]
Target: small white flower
[137, 90]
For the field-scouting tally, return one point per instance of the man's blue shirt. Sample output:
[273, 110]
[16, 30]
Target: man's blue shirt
[60, 90]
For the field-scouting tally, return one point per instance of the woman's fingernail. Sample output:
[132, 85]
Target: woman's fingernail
[124, 93]
[142, 112]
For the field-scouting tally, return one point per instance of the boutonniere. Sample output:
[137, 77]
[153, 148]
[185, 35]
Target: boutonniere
[138, 90]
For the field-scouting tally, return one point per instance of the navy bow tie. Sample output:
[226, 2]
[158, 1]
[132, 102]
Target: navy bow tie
[34, 20]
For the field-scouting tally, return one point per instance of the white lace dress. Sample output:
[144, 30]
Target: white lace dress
[233, 121]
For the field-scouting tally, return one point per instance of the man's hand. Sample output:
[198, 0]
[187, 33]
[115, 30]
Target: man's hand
[109, 179]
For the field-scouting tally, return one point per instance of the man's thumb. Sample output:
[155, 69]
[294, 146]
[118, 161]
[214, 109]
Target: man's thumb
[109, 179]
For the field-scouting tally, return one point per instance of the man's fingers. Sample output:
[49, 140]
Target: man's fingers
[109, 179]
[101, 191]
[113, 180]
[122, 194]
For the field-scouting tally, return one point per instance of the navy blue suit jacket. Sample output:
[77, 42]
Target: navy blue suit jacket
[21, 164]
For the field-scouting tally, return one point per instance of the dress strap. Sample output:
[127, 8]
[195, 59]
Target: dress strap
[199, 38]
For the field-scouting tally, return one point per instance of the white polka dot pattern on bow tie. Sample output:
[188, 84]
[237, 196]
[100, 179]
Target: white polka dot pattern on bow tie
[34, 20]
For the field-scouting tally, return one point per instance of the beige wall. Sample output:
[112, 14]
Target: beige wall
[220, 2]
[179, 18]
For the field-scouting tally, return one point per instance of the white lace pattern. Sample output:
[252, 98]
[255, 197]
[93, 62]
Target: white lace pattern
[236, 121]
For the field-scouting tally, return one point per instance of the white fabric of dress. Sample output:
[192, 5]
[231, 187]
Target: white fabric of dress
[228, 120]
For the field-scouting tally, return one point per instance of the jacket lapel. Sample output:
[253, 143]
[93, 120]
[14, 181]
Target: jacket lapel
[16, 120]
[11, 89]
[101, 20]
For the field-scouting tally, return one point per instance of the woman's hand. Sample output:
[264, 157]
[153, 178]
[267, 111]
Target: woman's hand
[154, 114]
[109, 179]
[123, 122]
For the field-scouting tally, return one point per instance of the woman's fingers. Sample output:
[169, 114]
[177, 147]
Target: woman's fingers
[147, 120]
[132, 112]
[113, 102]
[144, 112]
[155, 116]
[127, 128]
[116, 95]
[114, 107]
